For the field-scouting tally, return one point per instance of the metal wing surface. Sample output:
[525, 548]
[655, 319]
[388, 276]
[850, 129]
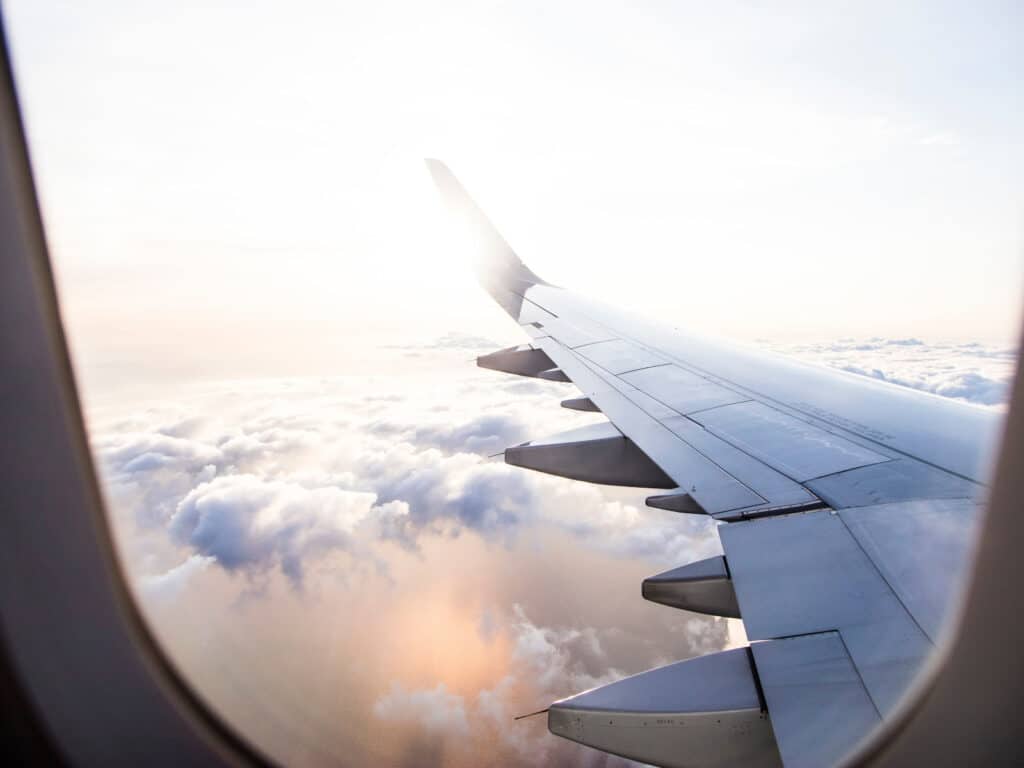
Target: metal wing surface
[847, 504]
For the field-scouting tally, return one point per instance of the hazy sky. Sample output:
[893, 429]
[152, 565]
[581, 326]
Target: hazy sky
[275, 334]
[241, 182]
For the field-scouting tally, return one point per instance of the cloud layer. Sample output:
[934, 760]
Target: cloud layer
[335, 560]
[974, 372]
[290, 476]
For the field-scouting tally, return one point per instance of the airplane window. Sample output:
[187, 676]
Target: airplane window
[382, 479]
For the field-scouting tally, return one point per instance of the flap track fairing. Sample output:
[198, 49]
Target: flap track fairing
[706, 711]
[598, 453]
[522, 361]
[702, 587]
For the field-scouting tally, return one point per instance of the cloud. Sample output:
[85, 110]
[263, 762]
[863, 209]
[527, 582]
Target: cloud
[434, 709]
[484, 434]
[455, 340]
[155, 450]
[247, 523]
[463, 489]
[170, 584]
[944, 138]
[964, 385]
[281, 481]
[545, 663]
[560, 660]
[972, 387]
[279, 474]
[452, 340]
[972, 372]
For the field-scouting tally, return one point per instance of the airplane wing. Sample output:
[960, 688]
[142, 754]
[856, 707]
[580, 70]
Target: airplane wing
[848, 507]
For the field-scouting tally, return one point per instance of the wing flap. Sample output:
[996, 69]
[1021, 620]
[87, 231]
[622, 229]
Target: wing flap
[720, 478]
[818, 704]
[809, 573]
[921, 549]
[717, 492]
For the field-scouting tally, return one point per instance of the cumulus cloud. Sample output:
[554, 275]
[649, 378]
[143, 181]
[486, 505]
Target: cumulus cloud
[434, 709]
[286, 479]
[170, 584]
[941, 139]
[456, 340]
[974, 372]
[247, 523]
[545, 663]
[485, 434]
[452, 340]
[566, 659]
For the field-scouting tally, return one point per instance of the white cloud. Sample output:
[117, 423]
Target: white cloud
[545, 663]
[973, 372]
[250, 524]
[262, 487]
[943, 138]
[279, 482]
[435, 709]
[170, 584]
[560, 660]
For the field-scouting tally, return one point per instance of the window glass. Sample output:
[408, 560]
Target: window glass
[274, 331]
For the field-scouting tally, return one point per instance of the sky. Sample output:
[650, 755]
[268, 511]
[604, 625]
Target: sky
[273, 330]
[246, 179]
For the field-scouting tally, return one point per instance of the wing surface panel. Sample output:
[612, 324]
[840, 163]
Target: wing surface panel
[620, 356]
[797, 449]
[705, 479]
[901, 480]
[681, 390]
[780, 491]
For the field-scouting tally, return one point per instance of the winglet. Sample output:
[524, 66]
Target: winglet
[499, 269]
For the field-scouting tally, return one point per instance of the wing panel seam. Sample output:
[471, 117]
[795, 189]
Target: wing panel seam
[586, 364]
[885, 581]
[856, 669]
[772, 402]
